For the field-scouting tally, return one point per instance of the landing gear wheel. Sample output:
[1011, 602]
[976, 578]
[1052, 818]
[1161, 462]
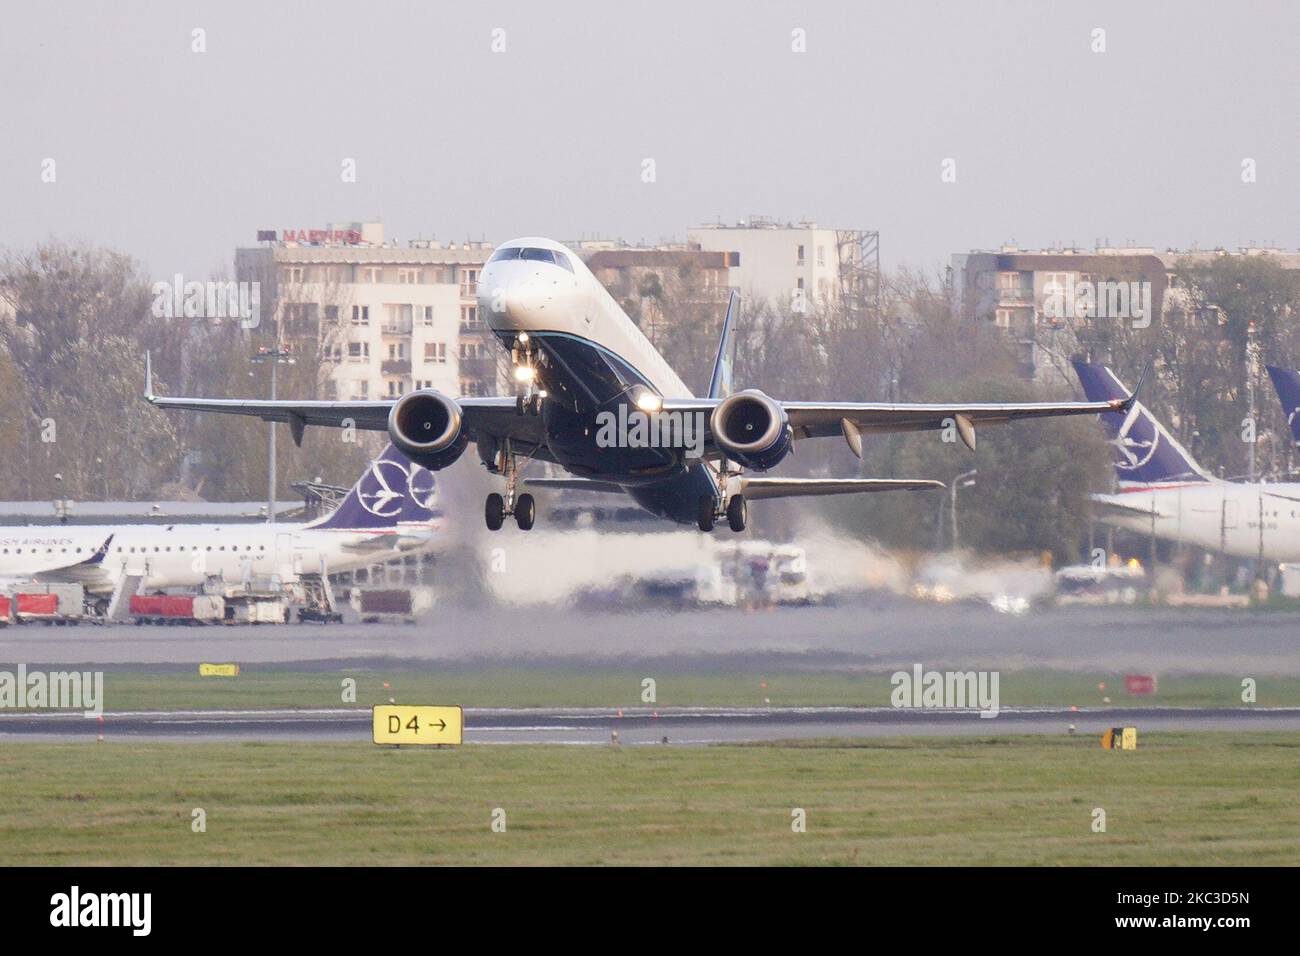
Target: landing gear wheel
[525, 512]
[706, 514]
[519, 404]
[737, 512]
[494, 512]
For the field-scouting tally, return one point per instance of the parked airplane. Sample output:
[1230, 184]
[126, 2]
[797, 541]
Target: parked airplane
[593, 394]
[390, 509]
[1162, 491]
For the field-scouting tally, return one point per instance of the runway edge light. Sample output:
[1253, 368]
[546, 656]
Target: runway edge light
[430, 725]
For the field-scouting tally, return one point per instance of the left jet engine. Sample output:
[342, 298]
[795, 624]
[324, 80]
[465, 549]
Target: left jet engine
[752, 429]
[426, 427]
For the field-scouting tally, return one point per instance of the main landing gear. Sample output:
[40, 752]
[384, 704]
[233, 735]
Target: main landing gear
[496, 511]
[499, 507]
[736, 512]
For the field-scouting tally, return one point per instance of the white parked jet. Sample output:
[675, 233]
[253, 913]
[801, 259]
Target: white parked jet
[595, 397]
[390, 509]
[1161, 490]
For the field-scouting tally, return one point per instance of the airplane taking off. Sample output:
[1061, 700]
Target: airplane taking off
[390, 510]
[1161, 490]
[581, 368]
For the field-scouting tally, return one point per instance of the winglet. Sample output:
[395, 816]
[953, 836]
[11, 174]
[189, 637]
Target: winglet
[720, 380]
[1129, 402]
[148, 377]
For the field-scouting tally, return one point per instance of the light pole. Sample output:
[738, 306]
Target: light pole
[965, 480]
[274, 357]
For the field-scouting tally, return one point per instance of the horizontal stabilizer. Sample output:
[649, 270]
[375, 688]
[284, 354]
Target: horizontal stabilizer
[575, 484]
[758, 488]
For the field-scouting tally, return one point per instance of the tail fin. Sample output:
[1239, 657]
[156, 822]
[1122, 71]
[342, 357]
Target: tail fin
[720, 381]
[1287, 383]
[1146, 453]
[391, 492]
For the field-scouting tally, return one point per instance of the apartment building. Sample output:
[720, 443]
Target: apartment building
[786, 262]
[386, 318]
[1030, 294]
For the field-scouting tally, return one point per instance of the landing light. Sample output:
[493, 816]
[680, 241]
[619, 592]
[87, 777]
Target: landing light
[525, 373]
[648, 401]
[523, 338]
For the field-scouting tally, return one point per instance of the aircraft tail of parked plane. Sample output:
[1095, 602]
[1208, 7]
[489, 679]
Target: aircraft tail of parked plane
[1164, 493]
[392, 491]
[1146, 454]
[1287, 383]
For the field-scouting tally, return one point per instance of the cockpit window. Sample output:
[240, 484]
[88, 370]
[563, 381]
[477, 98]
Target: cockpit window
[533, 255]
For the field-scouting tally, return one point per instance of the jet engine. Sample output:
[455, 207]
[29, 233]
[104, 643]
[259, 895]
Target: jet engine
[426, 427]
[752, 429]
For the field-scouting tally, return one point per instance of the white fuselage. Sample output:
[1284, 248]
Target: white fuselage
[1239, 519]
[186, 555]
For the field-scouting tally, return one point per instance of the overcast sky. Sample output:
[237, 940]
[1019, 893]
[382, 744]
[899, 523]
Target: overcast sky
[178, 157]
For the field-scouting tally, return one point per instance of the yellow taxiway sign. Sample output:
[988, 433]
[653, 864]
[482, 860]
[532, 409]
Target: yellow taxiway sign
[417, 724]
[218, 670]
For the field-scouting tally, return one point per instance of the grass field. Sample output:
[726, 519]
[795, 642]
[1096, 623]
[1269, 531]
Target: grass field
[1180, 799]
[523, 687]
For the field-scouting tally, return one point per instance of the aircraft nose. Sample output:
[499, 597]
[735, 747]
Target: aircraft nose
[513, 299]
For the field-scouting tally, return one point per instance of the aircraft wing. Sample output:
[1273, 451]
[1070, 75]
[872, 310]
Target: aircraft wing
[852, 420]
[484, 418]
[89, 571]
[368, 416]
[495, 418]
[1108, 506]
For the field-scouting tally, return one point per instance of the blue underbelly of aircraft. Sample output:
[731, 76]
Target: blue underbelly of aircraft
[677, 498]
[582, 380]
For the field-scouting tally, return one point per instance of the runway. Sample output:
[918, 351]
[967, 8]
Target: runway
[638, 726]
[885, 636]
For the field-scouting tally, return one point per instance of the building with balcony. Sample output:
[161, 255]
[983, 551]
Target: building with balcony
[386, 318]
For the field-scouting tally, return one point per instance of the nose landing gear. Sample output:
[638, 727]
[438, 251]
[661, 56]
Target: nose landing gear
[528, 396]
